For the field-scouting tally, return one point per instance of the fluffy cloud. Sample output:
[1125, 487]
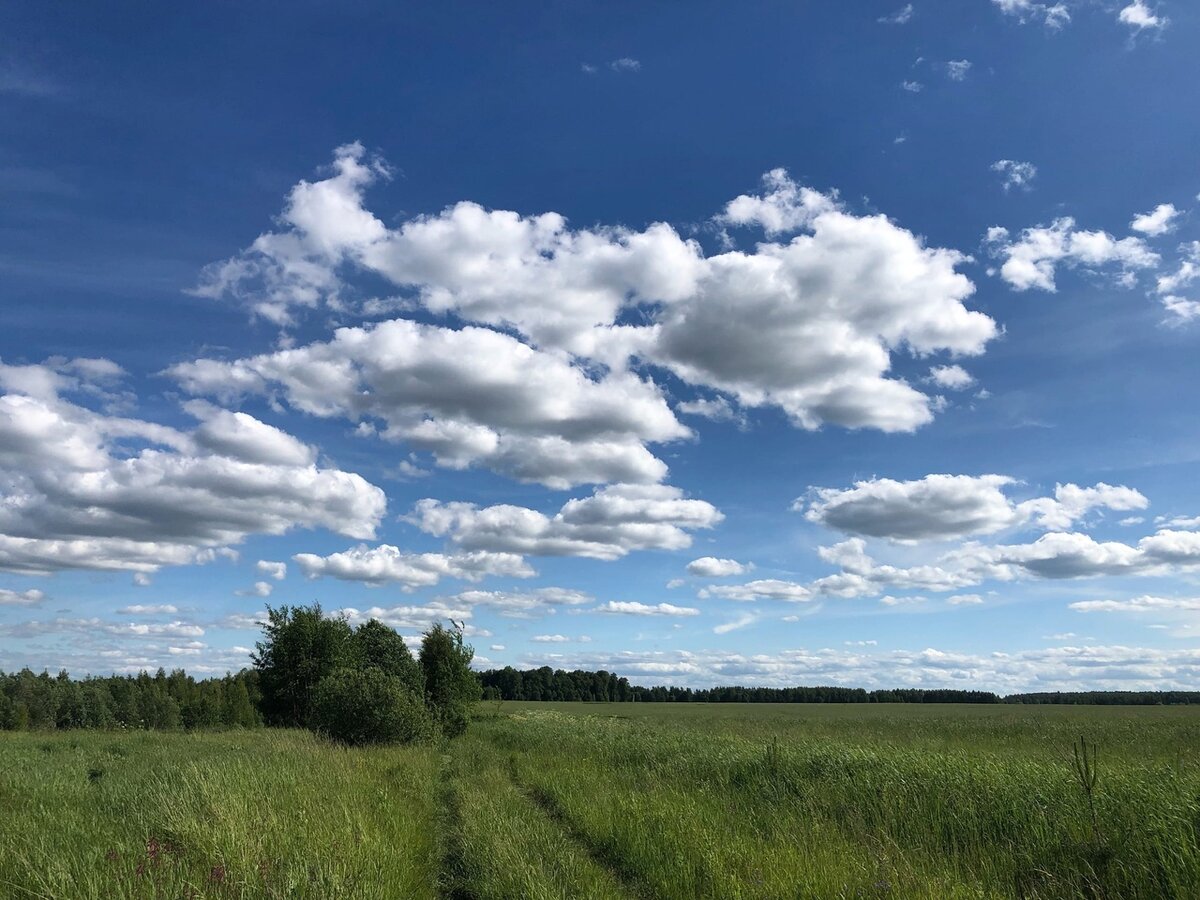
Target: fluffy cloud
[1031, 259]
[631, 608]
[408, 618]
[521, 604]
[862, 576]
[32, 597]
[277, 570]
[550, 639]
[762, 589]
[297, 268]
[610, 523]
[386, 564]
[1054, 556]
[942, 507]
[1158, 221]
[471, 396]
[808, 325]
[1015, 174]
[718, 409]
[1072, 555]
[94, 491]
[1138, 16]
[964, 600]
[951, 378]
[713, 567]
[96, 626]
[259, 589]
[1168, 287]
[1144, 604]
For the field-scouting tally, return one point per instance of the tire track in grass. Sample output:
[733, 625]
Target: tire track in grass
[629, 880]
[451, 883]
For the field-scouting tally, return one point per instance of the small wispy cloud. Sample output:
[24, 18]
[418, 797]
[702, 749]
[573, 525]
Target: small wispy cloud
[624, 65]
[958, 69]
[901, 16]
[1015, 174]
[740, 622]
[23, 82]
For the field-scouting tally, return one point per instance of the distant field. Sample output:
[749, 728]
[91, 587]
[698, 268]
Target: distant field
[548, 800]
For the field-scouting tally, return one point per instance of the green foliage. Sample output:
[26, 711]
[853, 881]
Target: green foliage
[160, 702]
[451, 688]
[381, 647]
[300, 646]
[368, 706]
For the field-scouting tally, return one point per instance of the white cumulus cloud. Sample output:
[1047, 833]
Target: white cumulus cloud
[387, 564]
[609, 524]
[714, 567]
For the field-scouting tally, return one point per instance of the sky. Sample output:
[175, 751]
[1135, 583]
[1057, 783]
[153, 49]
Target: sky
[758, 343]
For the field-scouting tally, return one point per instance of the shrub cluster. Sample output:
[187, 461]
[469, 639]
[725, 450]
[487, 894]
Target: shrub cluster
[362, 685]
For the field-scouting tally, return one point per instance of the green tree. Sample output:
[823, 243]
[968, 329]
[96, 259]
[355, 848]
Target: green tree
[239, 711]
[380, 647]
[300, 646]
[451, 688]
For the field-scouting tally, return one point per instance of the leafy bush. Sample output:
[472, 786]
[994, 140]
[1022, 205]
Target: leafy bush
[368, 706]
[451, 688]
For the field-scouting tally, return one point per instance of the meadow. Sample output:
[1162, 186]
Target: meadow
[547, 800]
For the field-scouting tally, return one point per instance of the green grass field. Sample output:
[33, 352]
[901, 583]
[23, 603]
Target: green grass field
[545, 800]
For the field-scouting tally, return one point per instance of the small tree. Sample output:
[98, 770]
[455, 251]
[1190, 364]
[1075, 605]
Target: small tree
[451, 688]
[378, 646]
[299, 648]
[368, 706]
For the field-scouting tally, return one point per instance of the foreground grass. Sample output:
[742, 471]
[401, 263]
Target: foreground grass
[249, 814]
[608, 801]
[875, 802]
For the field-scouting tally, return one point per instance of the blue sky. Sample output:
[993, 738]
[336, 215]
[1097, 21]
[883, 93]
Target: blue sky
[762, 343]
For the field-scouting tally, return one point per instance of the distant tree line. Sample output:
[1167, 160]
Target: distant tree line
[161, 701]
[546, 683]
[1110, 698]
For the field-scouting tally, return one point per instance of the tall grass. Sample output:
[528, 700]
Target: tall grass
[696, 808]
[598, 801]
[252, 814]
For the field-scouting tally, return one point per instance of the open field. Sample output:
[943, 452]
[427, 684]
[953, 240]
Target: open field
[621, 800]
